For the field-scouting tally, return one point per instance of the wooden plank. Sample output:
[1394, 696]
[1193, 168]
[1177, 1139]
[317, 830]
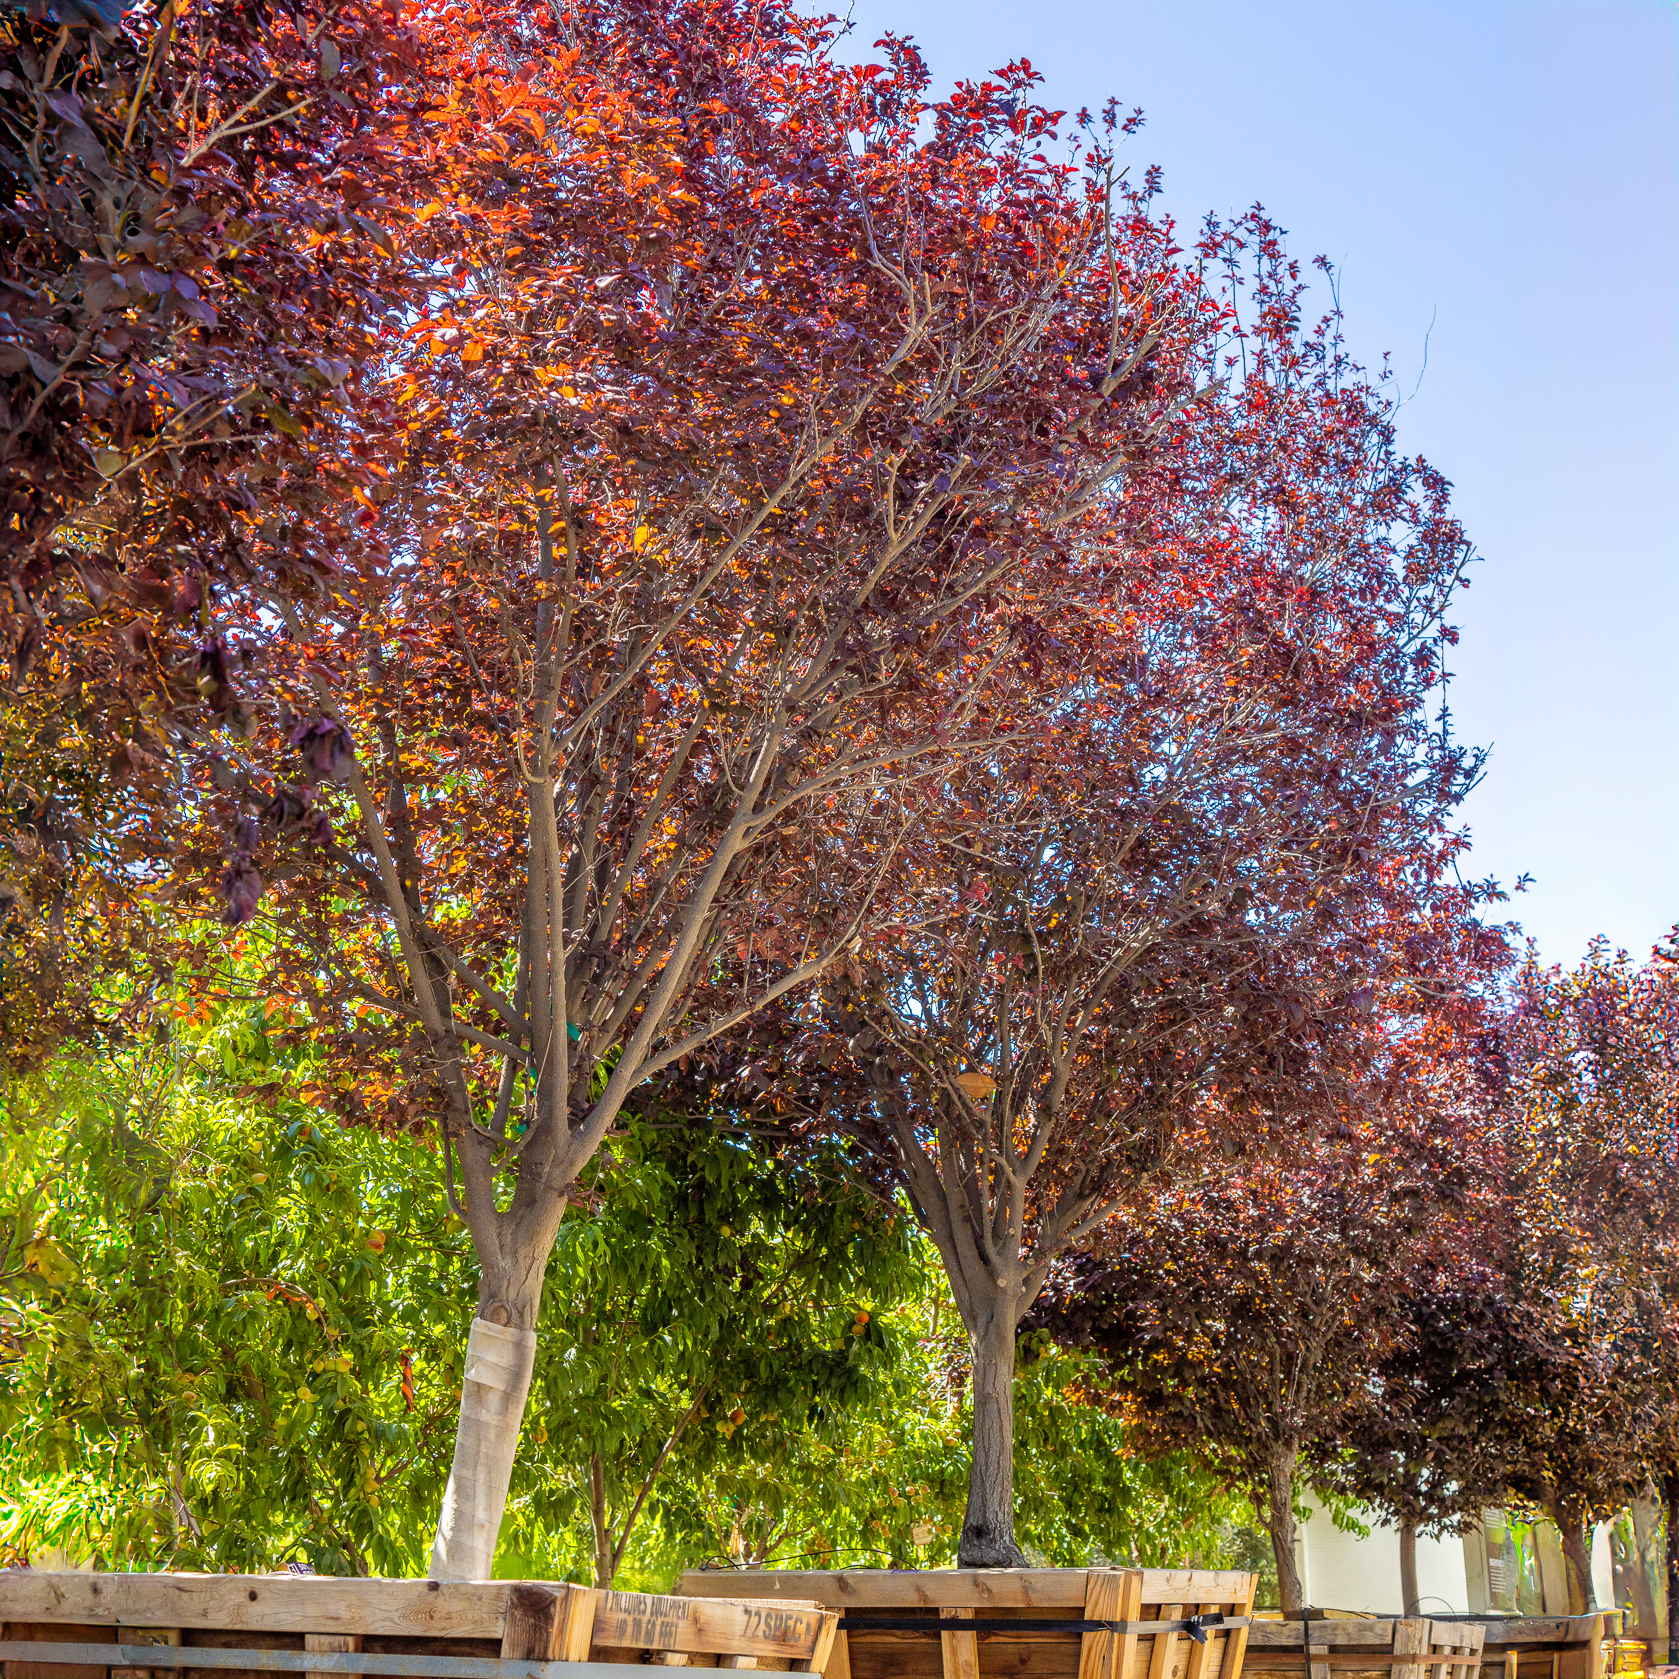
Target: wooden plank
[1235, 1652]
[839, 1657]
[821, 1657]
[532, 1623]
[929, 1588]
[38, 1633]
[577, 1624]
[330, 1641]
[1161, 1664]
[1130, 1609]
[144, 1635]
[640, 1621]
[258, 1602]
[959, 1649]
[1206, 1585]
[1200, 1652]
[1285, 1635]
[1102, 1591]
[1410, 1638]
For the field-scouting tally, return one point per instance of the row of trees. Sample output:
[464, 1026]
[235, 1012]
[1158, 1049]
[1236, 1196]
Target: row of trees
[630, 557]
[777, 587]
[1471, 1304]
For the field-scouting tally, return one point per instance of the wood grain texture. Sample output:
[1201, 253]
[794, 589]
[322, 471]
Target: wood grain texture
[331, 1641]
[257, 1602]
[839, 1656]
[726, 1626]
[929, 1588]
[821, 1657]
[959, 1649]
[50, 1633]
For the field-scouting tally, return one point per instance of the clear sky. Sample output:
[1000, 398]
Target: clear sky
[1505, 172]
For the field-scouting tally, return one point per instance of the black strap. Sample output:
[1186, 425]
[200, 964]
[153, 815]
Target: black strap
[1306, 1616]
[1197, 1626]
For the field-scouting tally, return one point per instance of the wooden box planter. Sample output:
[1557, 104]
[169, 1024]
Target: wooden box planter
[248, 1626]
[1510, 1647]
[1014, 1623]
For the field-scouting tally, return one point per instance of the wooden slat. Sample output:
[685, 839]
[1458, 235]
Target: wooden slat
[1410, 1638]
[640, 1621]
[577, 1624]
[821, 1658]
[960, 1650]
[1205, 1585]
[1164, 1644]
[258, 1602]
[1285, 1635]
[330, 1641]
[1102, 1593]
[1130, 1609]
[534, 1618]
[1235, 1652]
[49, 1634]
[930, 1588]
[1200, 1652]
[839, 1656]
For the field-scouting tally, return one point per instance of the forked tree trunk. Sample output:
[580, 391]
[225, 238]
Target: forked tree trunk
[1280, 1525]
[1408, 1592]
[988, 1525]
[495, 1384]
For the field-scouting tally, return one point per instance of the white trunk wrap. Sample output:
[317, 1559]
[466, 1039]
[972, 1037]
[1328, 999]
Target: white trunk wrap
[494, 1388]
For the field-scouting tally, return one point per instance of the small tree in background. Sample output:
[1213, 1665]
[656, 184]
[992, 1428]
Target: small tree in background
[1594, 1148]
[1243, 1311]
[1419, 1442]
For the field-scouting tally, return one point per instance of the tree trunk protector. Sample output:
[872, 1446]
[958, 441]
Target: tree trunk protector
[494, 1388]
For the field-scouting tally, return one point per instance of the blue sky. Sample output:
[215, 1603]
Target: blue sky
[1500, 180]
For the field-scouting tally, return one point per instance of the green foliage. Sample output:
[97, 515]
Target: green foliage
[209, 1302]
[718, 1302]
[231, 1336]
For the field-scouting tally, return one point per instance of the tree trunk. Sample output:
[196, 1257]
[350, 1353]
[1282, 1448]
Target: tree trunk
[988, 1526]
[1576, 1558]
[500, 1356]
[1280, 1525]
[1670, 1521]
[1646, 1514]
[606, 1549]
[1408, 1567]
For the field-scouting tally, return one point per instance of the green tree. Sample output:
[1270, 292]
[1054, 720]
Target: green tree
[230, 1333]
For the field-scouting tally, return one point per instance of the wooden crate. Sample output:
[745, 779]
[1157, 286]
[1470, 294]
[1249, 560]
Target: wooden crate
[455, 1630]
[1346, 1648]
[1513, 1646]
[1004, 1623]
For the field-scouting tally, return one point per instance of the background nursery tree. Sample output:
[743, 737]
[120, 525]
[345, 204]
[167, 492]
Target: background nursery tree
[1593, 1140]
[715, 1303]
[697, 571]
[1419, 1442]
[1241, 1310]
